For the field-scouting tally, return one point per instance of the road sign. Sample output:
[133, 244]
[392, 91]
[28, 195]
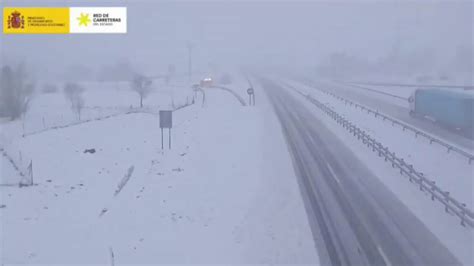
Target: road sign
[166, 119]
[250, 91]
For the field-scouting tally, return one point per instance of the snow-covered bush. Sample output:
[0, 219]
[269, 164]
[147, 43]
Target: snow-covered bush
[73, 93]
[15, 92]
[141, 85]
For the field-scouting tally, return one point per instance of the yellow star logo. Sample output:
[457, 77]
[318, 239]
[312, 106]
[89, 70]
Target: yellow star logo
[84, 19]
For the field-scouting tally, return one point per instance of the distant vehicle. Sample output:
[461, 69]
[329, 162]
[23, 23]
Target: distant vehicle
[450, 108]
[206, 82]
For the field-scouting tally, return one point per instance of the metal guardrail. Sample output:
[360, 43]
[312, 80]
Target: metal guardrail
[235, 94]
[451, 205]
[405, 126]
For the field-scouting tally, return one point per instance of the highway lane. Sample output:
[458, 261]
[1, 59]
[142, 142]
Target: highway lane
[355, 219]
[395, 111]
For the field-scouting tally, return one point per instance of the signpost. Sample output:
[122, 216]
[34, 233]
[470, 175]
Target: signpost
[166, 121]
[251, 94]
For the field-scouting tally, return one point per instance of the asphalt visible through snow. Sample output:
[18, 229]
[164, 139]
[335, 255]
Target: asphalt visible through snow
[355, 219]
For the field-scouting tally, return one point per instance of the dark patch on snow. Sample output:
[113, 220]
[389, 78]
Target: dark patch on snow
[92, 151]
[104, 210]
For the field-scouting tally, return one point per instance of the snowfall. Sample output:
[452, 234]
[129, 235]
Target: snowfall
[224, 193]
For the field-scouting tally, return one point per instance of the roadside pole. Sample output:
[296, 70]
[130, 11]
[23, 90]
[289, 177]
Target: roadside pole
[251, 93]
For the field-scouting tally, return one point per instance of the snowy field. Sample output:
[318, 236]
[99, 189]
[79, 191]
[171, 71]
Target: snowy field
[379, 97]
[404, 92]
[446, 227]
[224, 193]
[49, 111]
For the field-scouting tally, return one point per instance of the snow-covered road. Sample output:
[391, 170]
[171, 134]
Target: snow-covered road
[446, 227]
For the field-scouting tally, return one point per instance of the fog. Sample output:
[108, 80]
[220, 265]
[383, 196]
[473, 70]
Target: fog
[251, 33]
[307, 133]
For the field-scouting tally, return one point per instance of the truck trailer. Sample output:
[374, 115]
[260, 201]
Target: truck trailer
[448, 107]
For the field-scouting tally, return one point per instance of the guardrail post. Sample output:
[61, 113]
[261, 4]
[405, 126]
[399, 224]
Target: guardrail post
[403, 164]
[463, 215]
[446, 195]
[433, 184]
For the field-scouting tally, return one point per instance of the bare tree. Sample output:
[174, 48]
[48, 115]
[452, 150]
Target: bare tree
[73, 93]
[78, 105]
[141, 85]
[15, 92]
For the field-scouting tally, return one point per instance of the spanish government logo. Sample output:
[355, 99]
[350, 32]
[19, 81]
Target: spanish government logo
[16, 21]
[64, 20]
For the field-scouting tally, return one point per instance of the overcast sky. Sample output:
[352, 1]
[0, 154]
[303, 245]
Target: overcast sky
[249, 32]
